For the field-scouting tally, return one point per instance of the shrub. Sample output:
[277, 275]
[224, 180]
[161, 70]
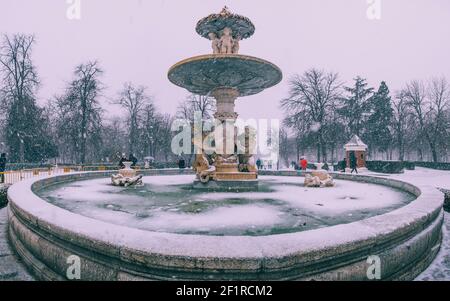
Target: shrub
[447, 201]
[385, 166]
[409, 165]
[3, 196]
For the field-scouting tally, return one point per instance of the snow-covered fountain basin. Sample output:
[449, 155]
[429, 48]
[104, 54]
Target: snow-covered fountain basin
[165, 230]
[170, 204]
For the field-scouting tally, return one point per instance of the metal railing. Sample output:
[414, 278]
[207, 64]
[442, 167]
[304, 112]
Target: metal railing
[14, 176]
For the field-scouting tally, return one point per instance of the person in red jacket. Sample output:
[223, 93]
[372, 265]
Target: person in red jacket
[303, 163]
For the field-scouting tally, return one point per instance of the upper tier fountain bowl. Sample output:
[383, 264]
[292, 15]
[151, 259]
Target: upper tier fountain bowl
[203, 74]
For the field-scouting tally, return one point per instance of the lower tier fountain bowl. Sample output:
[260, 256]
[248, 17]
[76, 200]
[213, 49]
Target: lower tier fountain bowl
[167, 230]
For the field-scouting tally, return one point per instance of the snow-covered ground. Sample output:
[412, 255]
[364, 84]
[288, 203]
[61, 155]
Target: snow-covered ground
[440, 268]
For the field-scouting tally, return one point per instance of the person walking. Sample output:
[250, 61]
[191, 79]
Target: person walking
[2, 167]
[342, 165]
[303, 163]
[133, 159]
[353, 162]
[258, 163]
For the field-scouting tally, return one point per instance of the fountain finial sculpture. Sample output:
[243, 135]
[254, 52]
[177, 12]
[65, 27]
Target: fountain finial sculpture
[225, 11]
[226, 75]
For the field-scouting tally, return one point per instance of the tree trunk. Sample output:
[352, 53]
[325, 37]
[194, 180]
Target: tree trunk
[318, 151]
[434, 152]
[21, 151]
[401, 150]
[83, 132]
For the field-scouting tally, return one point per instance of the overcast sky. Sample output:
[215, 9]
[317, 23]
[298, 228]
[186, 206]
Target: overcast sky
[139, 40]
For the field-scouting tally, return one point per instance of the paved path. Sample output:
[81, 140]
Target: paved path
[11, 269]
[439, 270]
[440, 267]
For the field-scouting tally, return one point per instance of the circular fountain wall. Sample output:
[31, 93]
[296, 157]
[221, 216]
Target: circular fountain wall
[165, 230]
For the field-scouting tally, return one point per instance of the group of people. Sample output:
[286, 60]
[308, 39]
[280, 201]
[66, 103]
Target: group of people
[131, 158]
[353, 162]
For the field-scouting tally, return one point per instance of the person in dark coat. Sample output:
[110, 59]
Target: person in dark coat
[342, 165]
[133, 159]
[181, 163]
[122, 159]
[2, 167]
[258, 163]
[353, 162]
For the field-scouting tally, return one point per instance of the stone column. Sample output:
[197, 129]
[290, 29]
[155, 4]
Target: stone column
[226, 160]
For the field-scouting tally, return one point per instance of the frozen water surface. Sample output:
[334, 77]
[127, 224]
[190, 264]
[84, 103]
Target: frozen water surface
[281, 205]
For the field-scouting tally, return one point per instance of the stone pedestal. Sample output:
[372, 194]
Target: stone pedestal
[226, 161]
[227, 166]
[127, 172]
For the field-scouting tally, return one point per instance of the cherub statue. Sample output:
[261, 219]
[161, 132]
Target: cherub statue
[200, 164]
[235, 49]
[204, 171]
[215, 42]
[247, 163]
[225, 11]
[226, 41]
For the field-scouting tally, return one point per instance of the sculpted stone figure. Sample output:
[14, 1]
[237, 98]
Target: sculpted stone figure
[226, 41]
[204, 171]
[225, 159]
[319, 178]
[247, 163]
[251, 164]
[200, 163]
[120, 180]
[215, 42]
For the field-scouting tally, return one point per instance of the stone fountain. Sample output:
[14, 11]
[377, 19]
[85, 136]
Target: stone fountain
[225, 75]
[126, 176]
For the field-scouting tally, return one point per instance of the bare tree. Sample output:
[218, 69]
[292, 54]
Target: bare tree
[134, 100]
[439, 125]
[113, 139]
[312, 98]
[429, 104]
[20, 82]
[79, 111]
[156, 133]
[400, 121]
[205, 105]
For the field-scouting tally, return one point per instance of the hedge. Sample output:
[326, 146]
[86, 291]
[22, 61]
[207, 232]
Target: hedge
[386, 166]
[433, 165]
